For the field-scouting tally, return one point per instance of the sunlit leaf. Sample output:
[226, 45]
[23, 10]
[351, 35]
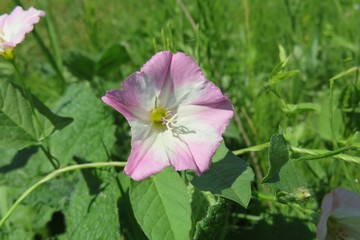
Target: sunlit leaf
[161, 206]
[18, 126]
[91, 135]
[92, 212]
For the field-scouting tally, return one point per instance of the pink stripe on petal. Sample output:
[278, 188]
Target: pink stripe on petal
[157, 68]
[217, 115]
[199, 130]
[178, 153]
[191, 157]
[184, 70]
[137, 90]
[113, 99]
[200, 157]
[147, 157]
[196, 144]
[136, 98]
[189, 85]
[184, 156]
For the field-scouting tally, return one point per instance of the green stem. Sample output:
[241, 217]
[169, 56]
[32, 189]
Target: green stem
[53, 175]
[305, 210]
[28, 95]
[263, 196]
[319, 155]
[255, 148]
[259, 195]
[315, 153]
[53, 39]
[331, 99]
[331, 114]
[46, 51]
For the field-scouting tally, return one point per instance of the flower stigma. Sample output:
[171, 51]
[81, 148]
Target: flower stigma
[160, 117]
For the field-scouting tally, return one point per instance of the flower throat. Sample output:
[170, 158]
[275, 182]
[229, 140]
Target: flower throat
[160, 117]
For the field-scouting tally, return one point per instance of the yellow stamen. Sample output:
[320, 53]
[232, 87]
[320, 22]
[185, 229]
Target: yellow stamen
[8, 54]
[156, 117]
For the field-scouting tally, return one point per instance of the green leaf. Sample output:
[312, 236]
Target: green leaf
[278, 157]
[278, 77]
[200, 203]
[111, 59]
[20, 233]
[349, 97]
[17, 126]
[161, 206]
[321, 121]
[279, 71]
[54, 122]
[18, 171]
[346, 157]
[210, 226]
[282, 55]
[92, 212]
[283, 174]
[80, 64]
[293, 109]
[92, 133]
[228, 176]
[290, 178]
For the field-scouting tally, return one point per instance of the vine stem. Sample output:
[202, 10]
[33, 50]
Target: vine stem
[52, 175]
[321, 155]
[271, 198]
[29, 97]
[254, 148]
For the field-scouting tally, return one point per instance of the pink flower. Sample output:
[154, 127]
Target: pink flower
[14, 26]
[176, 115]
[340, 216]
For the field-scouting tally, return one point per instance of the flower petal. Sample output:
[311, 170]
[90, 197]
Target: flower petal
[201, 114]
[184, 70]
[20, 22]
[343, 198]
[326, 208]
[157, 68]
[147, 157]
[198, 132]
[135, 99]
[189, 85]
[342, 204]
[2, 21]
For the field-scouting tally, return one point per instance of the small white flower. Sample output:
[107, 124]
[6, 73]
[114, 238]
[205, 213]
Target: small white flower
[15, 26]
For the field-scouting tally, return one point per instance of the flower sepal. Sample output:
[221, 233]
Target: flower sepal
[8, 54]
